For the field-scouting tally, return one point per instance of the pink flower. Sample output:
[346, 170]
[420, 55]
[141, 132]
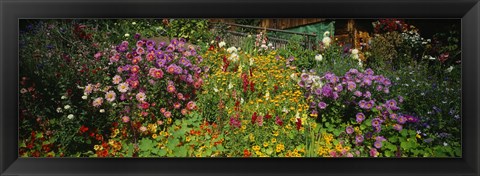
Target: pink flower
[125, 119]
[97, 55]
[97, 102]
[191, 105]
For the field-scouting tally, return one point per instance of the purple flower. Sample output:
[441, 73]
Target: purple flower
[367, 94]
[376, 122]
[318, 91]
[349, 130]
[322, 105]
[339, 88]
[386, 90]
[137, 36]
[170, 48]
[185, 62]
[369, 71]
[378, 144]
[400, 99]
[353, 71]
[402, 119]
[360, 117]
[379, 87]
[327, 91]
[411, 118]
[357, 93]
[393, 116]
[362, 104]
[351, 86]
[335, 95]
[304, 76]
[398, 127]
[378, 141]
[359, 138]
[370, 104]
[387, 82]
[392, 104]
[367, 81]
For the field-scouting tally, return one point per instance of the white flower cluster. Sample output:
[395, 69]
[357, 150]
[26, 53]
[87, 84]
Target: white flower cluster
[326, 39]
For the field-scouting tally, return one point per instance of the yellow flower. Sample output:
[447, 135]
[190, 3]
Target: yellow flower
[187, 138]
[265, 144]
[274, 140]
[96, 147]
[275, 133]
[418, 136]
[256, 147]
[154, 136]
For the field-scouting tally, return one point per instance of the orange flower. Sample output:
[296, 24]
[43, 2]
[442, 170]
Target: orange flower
[246, 153]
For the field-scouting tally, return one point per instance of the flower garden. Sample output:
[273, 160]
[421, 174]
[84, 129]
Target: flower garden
[178, 88]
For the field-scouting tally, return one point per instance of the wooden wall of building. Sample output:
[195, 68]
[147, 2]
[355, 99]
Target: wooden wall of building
[278, 23]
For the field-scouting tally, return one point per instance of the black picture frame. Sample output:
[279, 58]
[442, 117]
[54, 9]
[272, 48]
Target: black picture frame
[466, 10]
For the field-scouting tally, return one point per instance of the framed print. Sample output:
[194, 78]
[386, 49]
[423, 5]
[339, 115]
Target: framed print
[239, 87]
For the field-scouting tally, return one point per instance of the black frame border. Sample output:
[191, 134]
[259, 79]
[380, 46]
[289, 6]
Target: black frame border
[11, 11]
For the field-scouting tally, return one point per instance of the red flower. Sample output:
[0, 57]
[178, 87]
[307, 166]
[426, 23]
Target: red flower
[83, 129]
[254, 117]
[268, 116]
[299, 123]
[246, 153]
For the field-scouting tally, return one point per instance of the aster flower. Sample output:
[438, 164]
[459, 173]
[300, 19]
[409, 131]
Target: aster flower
[349, 130]
[360, 117]
[322, 105]
[367, 94]
[88, 89]
[362, 104]
[177, 105]
[125, 119]
[402, 119]
[135, 69]
[141, 96]
[376, 122]
[123, 87]
[351, 85]
[110, 96]
[359, 139]
[398, 127]
[191, 105]
[357, 93]
[167, 114]
[373, 152]
[171, 88]
[97, 102]
[116, 79]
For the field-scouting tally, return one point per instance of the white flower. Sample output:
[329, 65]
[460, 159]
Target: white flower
[251, 61]
[102, 110]
[59, 110]
[23, 90]
[70, 116]
[233, 57]
[354, 51]
[431, 58]
[134, 23]
[270, 45]
[84, 97]
[215, 89]
[326, 41]
[360, 64]
[294, 76]
[445, 143]
[230, 86]
[127, 35]
[249, 36]
[141, 96]
[318, 57]
[64, 97]
[123, 87]
[116, 79]
[242, 100]
[66, 107]
[221, 44]
[326, 33]
[110, 96]
[264, 46]
[232, 50]
[449, 69]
